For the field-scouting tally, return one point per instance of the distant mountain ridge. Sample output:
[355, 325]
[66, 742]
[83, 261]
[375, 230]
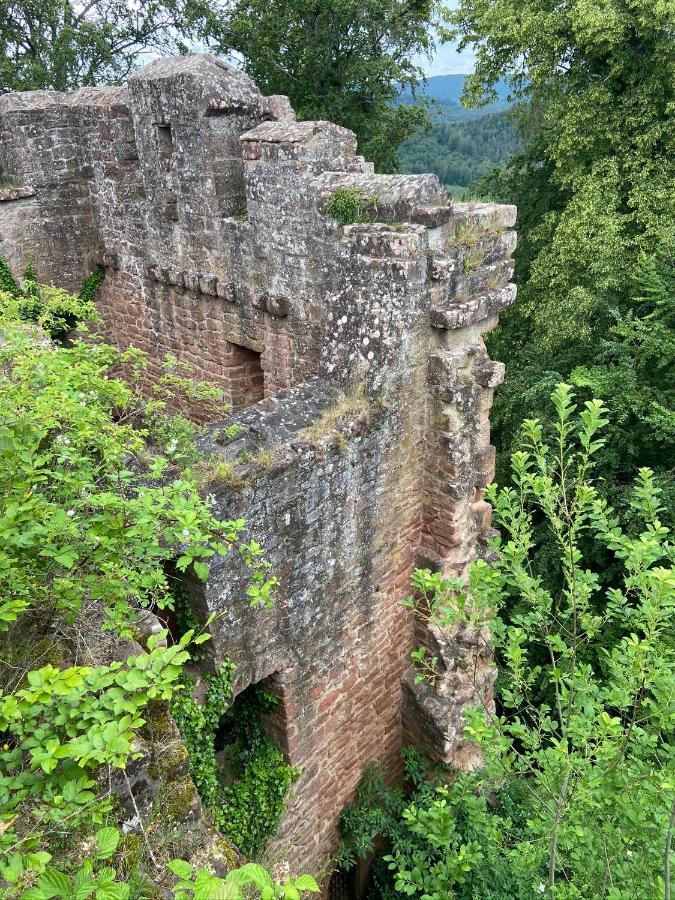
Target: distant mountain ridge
[446, 91]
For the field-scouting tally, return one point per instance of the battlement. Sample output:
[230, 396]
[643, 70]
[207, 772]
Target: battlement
[352, 355]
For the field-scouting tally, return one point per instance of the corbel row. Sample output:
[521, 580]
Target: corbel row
[213, 286]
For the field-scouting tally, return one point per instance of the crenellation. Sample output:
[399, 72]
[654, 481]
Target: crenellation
[351, 356]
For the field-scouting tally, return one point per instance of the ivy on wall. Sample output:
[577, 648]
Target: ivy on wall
[235, 765]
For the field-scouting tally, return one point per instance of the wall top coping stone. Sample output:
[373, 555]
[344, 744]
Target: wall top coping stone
[426, 188]
[292, 132]
[193, 65]
[209, 78]
[15, 192]
[16, 101]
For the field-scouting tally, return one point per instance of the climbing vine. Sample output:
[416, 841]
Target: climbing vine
[91, 284]
[198, 723]
[235, 765]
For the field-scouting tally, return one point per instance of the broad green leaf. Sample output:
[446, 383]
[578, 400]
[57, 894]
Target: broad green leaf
[53, 883]
[108, 840]
[180, 868]
[307, 883]
[251, 873]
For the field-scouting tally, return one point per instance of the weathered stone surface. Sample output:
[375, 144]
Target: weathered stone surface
[353, 359]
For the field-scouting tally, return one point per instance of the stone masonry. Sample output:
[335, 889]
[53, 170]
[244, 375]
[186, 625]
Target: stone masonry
[351, 355]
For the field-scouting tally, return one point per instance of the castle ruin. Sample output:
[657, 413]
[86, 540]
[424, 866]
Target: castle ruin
[352, 355]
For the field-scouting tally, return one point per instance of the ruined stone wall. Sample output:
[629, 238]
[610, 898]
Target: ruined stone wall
[353, 357]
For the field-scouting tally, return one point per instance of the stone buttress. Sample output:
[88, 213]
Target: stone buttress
[352, 356]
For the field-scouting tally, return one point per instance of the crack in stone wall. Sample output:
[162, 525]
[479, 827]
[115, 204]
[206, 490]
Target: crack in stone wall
[207, 204]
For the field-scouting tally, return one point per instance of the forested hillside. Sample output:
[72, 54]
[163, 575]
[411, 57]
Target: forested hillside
[461, 150]
[462, 143]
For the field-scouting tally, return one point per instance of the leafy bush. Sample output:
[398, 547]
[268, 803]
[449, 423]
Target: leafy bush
[59, 730]
[443, 838]
[56, 311]
[192, 882]
[91, 511]
[585, 714]
[576, 798]
[80, 525]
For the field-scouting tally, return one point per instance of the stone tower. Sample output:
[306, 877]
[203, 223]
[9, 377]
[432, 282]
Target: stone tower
[351, 355]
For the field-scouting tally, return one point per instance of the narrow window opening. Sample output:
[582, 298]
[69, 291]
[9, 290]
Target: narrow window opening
[165, 145]
[165, 141]
[245, 376]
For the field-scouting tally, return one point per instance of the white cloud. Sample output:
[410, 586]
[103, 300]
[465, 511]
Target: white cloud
[448, 60]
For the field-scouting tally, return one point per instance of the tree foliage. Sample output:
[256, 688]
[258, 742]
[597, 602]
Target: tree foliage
[64, 44]
[594, 191]
[345, 62]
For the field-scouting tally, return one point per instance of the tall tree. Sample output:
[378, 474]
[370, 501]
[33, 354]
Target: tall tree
[594, 185]
[344, 61]
[63, 44]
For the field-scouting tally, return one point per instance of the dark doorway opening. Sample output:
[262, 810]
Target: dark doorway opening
[245, 376]
[342, 886]
[357, 883]
[249, 764]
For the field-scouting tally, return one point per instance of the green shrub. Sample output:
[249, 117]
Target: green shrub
[585, 715]
[351, 206]
[56, 311]
[89, 519]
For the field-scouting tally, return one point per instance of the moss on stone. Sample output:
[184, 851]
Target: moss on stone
[229, 854]
[351, 206]
[129, 852]
[158, 721]
[172, 759]
[49, 652]
[176, 800]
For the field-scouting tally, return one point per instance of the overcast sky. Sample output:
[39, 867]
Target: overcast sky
[446, 59]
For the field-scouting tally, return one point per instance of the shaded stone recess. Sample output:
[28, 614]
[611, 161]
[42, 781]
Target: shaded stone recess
[352, 356]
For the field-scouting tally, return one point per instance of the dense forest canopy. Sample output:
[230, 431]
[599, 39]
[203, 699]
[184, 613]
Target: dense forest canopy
[64, 44]
[345, 62]
[459, 152]
[596, 213]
